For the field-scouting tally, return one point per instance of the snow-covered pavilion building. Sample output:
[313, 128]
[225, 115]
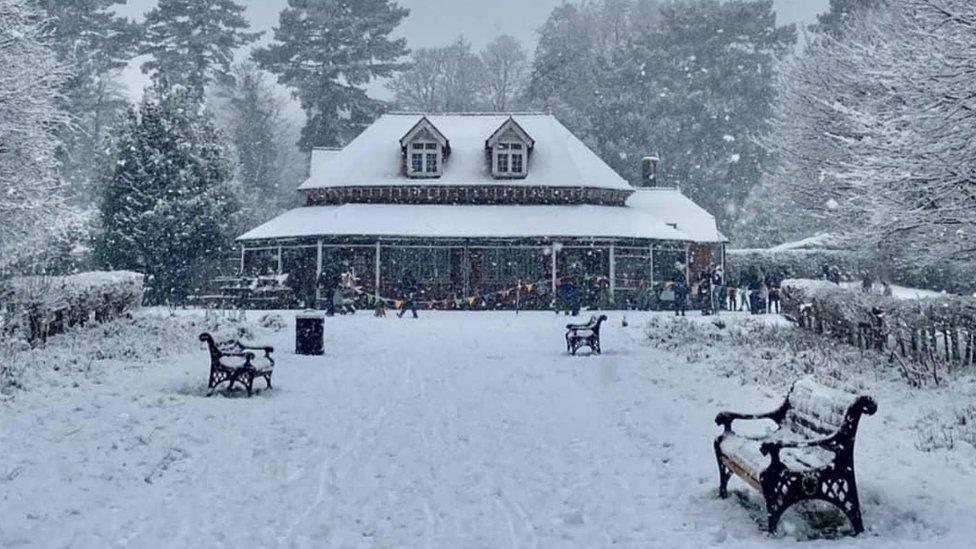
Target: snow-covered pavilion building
[474, 205]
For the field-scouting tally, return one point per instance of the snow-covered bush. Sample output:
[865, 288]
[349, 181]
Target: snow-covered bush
[273, 322]
[941, 431]
[926, 338]
[139, 340]
[36, 307]
[795, 263]
[759, 354]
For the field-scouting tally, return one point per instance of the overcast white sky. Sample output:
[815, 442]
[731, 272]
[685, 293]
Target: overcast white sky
[435, 22]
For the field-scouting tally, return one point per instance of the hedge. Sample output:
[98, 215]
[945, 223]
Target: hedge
[928, 337]
[795, 263]
[41, 306]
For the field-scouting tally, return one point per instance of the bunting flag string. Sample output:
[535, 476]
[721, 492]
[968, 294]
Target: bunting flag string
[527, 288]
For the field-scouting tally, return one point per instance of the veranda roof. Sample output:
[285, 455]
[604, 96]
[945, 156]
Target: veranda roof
[559, 159]
[655, 214]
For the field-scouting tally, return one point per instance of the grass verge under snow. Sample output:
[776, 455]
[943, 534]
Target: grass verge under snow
[776, 355]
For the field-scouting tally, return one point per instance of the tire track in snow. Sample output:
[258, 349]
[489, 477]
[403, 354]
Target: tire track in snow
[326, 471]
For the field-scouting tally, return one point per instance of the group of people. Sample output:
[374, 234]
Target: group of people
[594, 294]
[753, 292]
[340, 293]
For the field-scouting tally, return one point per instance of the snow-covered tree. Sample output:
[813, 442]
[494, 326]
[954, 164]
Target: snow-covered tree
[168, 208]
[505, 67]
[841, 12]
[95, 42]
[327, 51]
[269, 165]
[688, 81]
[192, 42]
[872, 134]
[447, 79]
[31, 75]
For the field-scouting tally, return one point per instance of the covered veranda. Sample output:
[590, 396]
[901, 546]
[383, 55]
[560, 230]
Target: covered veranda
[484, 273]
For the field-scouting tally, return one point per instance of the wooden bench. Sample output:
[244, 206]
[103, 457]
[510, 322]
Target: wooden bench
[584, 335]
[809, 457]
[233, 362]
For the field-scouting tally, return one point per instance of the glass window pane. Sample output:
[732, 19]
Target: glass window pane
[517, 163]
[417, 146]
[432, 163]
[503, 146]
[431, 146]
[502, 163]
[516, 146]
[417, 163]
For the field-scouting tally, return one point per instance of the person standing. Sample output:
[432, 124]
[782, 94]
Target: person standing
[718, 289]
[408, 292]
[705, 292]
[328, 284]
[680, 297]
[775, 283]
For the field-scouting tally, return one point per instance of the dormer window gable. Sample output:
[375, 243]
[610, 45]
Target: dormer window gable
[425, 150]
[508, 150]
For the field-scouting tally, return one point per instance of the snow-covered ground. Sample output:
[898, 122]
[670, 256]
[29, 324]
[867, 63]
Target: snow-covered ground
[454, 430]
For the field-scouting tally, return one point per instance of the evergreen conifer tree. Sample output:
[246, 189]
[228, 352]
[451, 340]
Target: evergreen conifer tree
[327, 51]
[168, 209]
[192, 42]
[269, 164]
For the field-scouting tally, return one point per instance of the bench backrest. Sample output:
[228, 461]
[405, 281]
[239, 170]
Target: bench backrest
[596, 322]
[217, 350]
[815, 411]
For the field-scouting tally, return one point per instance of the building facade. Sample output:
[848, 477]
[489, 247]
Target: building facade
[484, 210]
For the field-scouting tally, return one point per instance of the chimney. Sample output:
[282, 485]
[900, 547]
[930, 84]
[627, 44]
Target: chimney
[649, 171]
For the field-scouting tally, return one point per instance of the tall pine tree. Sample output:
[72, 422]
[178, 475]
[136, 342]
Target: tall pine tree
[691, 81]
[95, 42]
[841, 12]
[327, 51]
[168, 209]
[192, 42]
[269, 164]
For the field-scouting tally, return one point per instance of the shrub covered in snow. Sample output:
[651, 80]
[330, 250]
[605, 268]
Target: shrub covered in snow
[36, 307]
[759, 354]
[801, 263]
[140, 339]
[928, 338]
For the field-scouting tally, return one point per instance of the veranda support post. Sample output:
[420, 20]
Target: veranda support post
[613, 273]
[318, 261]
[651, 256]
[243, 251]
[376, 273]
[280, 265]
[688, 264]
[318, 271]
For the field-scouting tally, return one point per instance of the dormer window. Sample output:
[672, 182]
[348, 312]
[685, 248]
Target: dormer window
[510, 160]
[425, 159]
[425, 150]
[509, 149]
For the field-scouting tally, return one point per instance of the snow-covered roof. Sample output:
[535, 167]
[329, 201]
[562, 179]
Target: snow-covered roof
[657, 214]
[559, 159]
[320, 159]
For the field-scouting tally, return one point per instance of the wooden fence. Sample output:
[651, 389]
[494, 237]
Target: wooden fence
[927, 339]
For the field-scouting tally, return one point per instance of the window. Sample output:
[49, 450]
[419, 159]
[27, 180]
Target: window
[509, 160]
[425, 159]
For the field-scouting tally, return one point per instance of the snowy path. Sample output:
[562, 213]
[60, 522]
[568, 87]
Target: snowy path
[455, 430]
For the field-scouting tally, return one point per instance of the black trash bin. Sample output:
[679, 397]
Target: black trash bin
[309, 334]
